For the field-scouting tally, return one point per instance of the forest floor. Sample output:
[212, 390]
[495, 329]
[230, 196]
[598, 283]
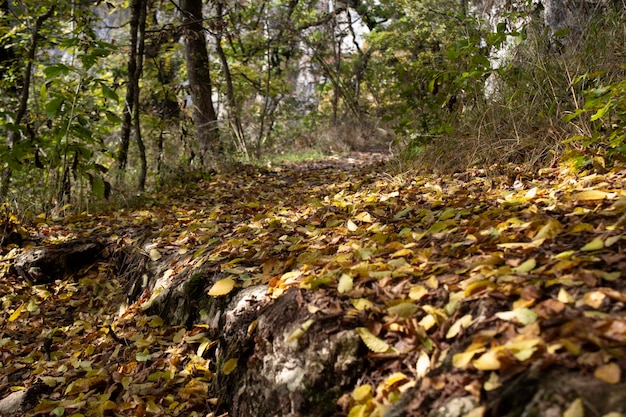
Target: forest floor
[461, 283]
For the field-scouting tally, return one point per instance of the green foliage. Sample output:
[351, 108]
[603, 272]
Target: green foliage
[605, 111]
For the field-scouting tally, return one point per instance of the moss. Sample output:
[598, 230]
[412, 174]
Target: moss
[195, 295]
[322, 401]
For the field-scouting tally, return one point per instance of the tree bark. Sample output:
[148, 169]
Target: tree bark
[131, 102]
[140, 53]
[234, 110]
[199, 76]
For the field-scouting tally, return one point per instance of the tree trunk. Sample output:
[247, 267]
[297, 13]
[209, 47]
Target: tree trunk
[140, 52]
[199, 75]
[233, 108]
[131, 103]
[131, 87]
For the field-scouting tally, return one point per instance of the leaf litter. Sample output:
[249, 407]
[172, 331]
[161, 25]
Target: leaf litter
[453, 279]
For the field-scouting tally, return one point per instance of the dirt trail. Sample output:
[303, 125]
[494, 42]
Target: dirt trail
[459, 290]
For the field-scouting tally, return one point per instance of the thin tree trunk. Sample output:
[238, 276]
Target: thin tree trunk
[12, 137]
[131, 87]
[199, 75]
[233, 108]
[140, 53]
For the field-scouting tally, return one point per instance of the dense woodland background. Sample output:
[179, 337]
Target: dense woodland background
[105, 99]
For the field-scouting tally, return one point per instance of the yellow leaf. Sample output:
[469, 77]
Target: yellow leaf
[594, 299]
[576, 409]
[610, 241]
[549, 230]
[532, 193]
[447, 214]
[493, 382]
[564, 255]
[345, 284]
[16, 313]
[391, 380]
[405, 309]
[362, 304]
[590, 195]
[364, 217]
[402, 252]
[522, 245]
[610, 373]
[155, 255]
[526, 266]
[463, 322]
[151, 407]
[351, 226]
[461, 360]
[222, 287]
[477, 412]
[156, 322]
[595, 244]
[300, 331]
[417, 292]
[427, 322]
[229, 366]
[359, 410]
[372, 342]
[564, 296]
[520, 315]
[610, 276]
[488, 361]
[362, 393]
[423, 364]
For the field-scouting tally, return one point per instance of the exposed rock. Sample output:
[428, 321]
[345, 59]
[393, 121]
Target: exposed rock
[20, 402]
[294, 356]
[44, 265]
[534, 393]
[295, 363]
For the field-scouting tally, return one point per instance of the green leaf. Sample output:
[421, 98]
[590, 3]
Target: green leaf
[56, 69]
[109, 93]
[53, 107]
[112, 117]
[58, 411]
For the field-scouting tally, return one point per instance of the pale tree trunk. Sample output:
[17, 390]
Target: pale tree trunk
[234, 110]
[199, 75]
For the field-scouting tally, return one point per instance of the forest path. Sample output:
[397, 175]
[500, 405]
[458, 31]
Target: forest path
[459, 286]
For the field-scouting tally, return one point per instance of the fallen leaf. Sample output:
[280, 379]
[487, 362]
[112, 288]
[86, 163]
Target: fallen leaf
[345, 284]
[362, 393]
[222, 287]
[155, 255]
[575, 409]
[610, 373]
[487, 361]
[372, 342]
[423, 364]
[404, 309]
[595, 244]
[520, 315]
[16, 313]
[229, 366]
[588, 195]
[526, 266]
[462, 322]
